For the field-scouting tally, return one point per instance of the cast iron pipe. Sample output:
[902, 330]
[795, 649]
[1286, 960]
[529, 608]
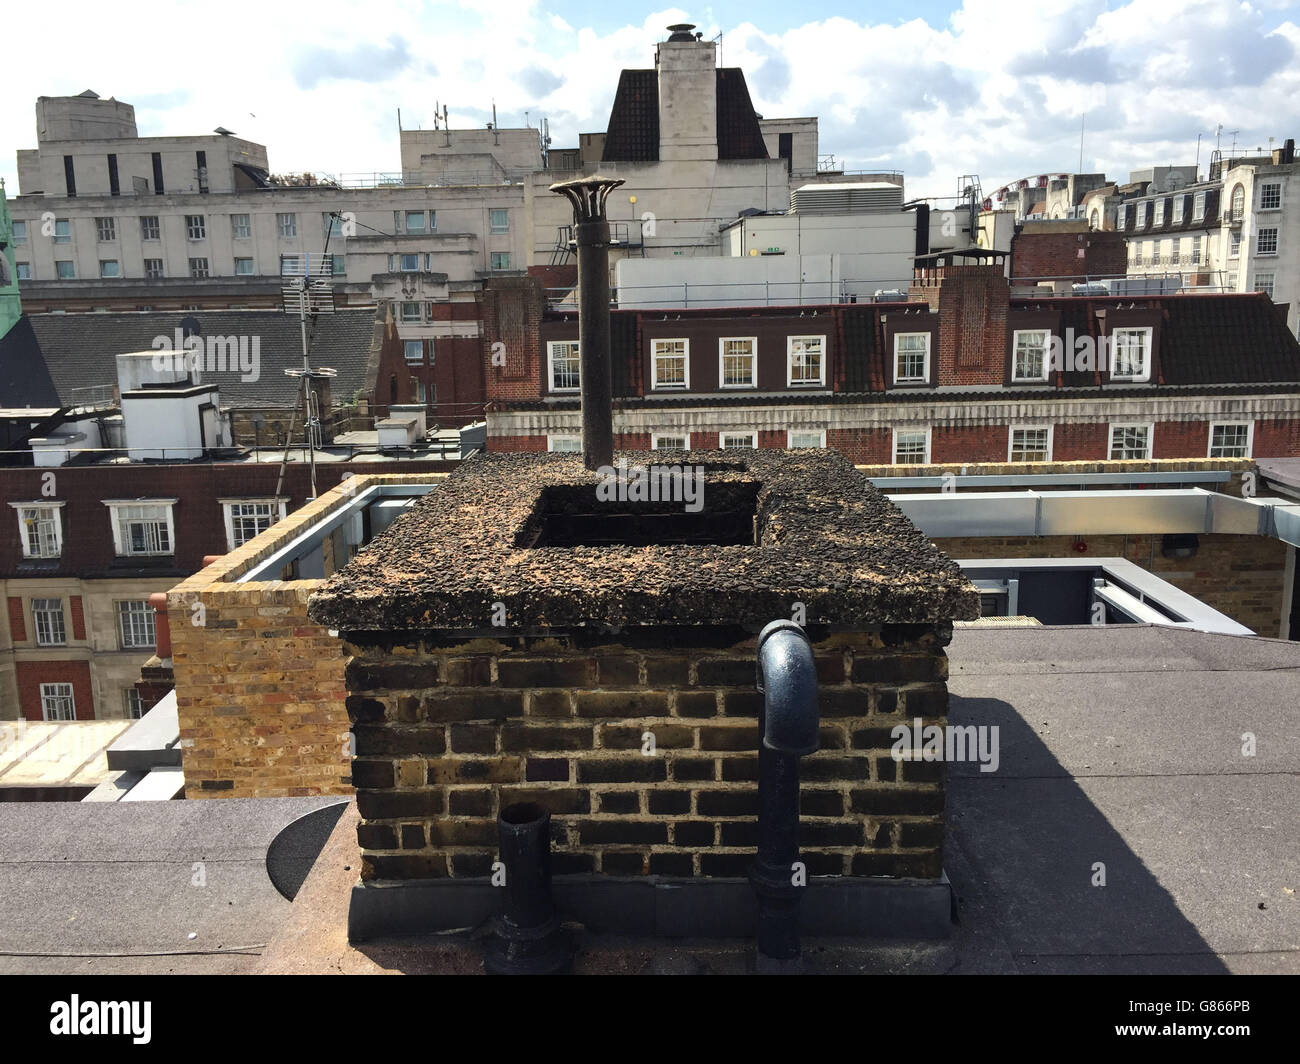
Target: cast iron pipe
[529, 940]
[787, 729]
[592, 238]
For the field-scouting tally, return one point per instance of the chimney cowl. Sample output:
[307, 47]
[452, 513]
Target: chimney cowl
[681, 33]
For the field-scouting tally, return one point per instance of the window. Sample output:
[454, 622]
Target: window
[286, 225]
[1196, 250]
[1130, 354]
[1167, 251]
[1266, 241]
[338, 265]
[24, 271]
[736, 361]
[57, 702]
[417, 390]
[562, 358]
[499, 220]
[1180, 203]
[731, 441]
[198, 267]
[911, 358]
[1234, 245]
[1154, 257]
[62, 232]
[1270, 196]
[1140, 216]
[1121, 216]
[196, 227]
[1238, 204]
[133, 703]
[668, 364]
[64, 269]
[911, 446]
[149, 227]
[410, 263]
[797, 438]
[414, 351]
[1093, 220]
[1030, 444]
[805, 360]
[1264, 283]
[135, 623]
[1130, 442]
[240, 227]
[1029, 361]
[670, 441]
[412, 222]
[289, 266]
[500, 260]
[1231, 439]
[153, 267]
[1159, 218]
[410, 312]
[105, 229]
[142, 528]
[20, 234]
[109, 268]
[47, 619]
[243, 267]
[1198, 207]
[246, 518]
[564, 443]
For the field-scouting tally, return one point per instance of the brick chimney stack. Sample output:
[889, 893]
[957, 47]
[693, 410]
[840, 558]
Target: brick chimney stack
[971, 298]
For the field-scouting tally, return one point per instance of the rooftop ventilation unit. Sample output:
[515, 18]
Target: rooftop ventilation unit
[890, 295]
[846, 198]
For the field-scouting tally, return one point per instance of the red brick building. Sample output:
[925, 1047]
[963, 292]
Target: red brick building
[962, 372]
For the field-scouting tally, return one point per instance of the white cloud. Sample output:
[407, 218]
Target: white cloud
[996, 91]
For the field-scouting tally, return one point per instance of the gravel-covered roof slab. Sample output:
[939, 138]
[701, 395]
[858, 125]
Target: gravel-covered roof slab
[817, 532]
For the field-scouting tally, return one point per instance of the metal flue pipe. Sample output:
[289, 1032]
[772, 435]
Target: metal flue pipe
[787, 730]
[591, 236]
[529, 939]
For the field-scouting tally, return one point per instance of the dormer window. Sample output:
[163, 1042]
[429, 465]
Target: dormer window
[1130, 358]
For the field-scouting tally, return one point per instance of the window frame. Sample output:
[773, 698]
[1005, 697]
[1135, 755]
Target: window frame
[196, 227]
[406, 352]
[1259, 241]
[1275, 186]
[55, 691]
[122, 607]
[924, 379]
[722, 363]
[791, 433]
[106, 230]
[552, 438]
[286, 225]
[168, 506]
[1250, 438]
[133, 703]
[1148, 426]
[279, 503]
[1044, 362]
[57, 507]
[790, 341]
[198, 272]
[493, 227]
[1148, 350]
[1198, 206]
[1272, 283]
[685, 385]
[752, 435]
[53, 618]
[246, 226]
[912, 429]
[551, 386]
[656, 441]
[499, 261]
[1011, 441]
[114, 274]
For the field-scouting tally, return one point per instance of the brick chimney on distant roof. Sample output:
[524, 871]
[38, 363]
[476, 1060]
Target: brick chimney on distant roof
[971, 295]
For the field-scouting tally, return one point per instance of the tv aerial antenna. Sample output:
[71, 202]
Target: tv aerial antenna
[306, 291]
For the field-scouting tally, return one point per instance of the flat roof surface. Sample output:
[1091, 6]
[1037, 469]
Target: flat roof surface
[56, 753]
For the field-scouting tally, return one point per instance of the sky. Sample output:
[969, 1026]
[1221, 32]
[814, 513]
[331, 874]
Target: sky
[935, 89]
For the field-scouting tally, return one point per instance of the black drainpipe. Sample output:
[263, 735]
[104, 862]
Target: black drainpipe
[787, 729]
[529, 940]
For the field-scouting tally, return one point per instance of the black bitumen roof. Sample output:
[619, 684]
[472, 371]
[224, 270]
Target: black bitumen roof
[81, 349]
[824, 537]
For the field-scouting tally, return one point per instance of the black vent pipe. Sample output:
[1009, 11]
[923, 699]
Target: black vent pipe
[787, 729]
[529, 939]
